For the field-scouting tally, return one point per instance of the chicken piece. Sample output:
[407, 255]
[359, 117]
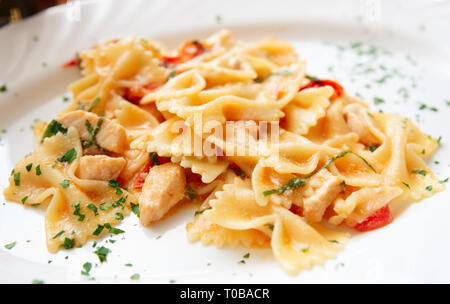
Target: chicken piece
[324, 189]
[111, 136]
[164, 187]
[357, 121]
[100, 167]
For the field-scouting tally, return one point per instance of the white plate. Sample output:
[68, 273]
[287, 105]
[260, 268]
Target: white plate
[414, 248]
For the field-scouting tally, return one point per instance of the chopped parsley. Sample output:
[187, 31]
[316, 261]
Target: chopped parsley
[290, 185]
[115, 184]
[112, 229]
[419, 171]
[444, 181]
[17, 178]
[87, 267]
[171, 75]
[58, 234]
[305, 250]
[429, 188]
[154, 158]
[102, 253]
[68, 157]
[3, 88]
[270, 226]
[312, 78]
[39, 282]
[68, 243]
[53, 128]
[129, 265]
[28, 167]
[191, 193]
[378, 100]
[119, 216]
[247, 255]
[65, 183]
[135, 209]
[406, 185]
[372, 148]
[334, 241]
[106, 206]
[10, 245]
[92, 140]
[38, 170]
[238, 171]
[77, 211]
[201, 211]
[93, 208]
[93, 104]
[135, 276]
[340, 155]
[24, 199]
[109, 227]
[98, 230]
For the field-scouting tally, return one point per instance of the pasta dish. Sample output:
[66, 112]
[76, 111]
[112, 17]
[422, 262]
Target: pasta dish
[272, 157]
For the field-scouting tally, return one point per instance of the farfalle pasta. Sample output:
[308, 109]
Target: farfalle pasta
[272, 156]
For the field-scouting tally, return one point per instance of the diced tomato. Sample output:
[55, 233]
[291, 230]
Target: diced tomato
[134, 94]
[72, 62]
[338, 89]
[189, 50]
[140, 179]
[380, 218]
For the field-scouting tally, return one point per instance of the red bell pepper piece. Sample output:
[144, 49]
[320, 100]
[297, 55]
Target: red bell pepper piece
[338, 89]
[72, 62]
[380, 218]
[189, 50]
[140, 179]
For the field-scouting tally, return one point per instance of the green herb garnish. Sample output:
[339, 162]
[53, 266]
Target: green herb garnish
[87, 267]
[135, 276]
[65, 183]
[372, 148]
[93, 208]
[68, 157]
[290, 185]
[53, 128]
[10, 245]
[154, 158]
[429, 188]
[98, 230]
[92, 140]
[58, 234]
[419, 171]
[68, 243]
[102, 253]
[38, 170]
[17, 178]
[28, 167]
[135, 209]
[77, 211]
[93, 104]
[112, 229]
[191, 193]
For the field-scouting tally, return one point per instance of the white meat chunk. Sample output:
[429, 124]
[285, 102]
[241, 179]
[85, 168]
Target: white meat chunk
[357, 122]
[323, 191]
[163, 188]
[110, 136]
[100, 167]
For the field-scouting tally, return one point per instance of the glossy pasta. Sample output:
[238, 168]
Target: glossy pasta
[131, 134]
